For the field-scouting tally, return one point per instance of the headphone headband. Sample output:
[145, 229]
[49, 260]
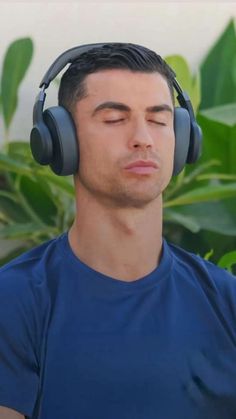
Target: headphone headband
[70, 55]
[65, 58]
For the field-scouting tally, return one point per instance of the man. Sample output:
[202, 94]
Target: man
[109, 321]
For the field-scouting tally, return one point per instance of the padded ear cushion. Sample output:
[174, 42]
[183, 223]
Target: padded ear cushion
[195, 146]
[65, 158]
[41, 143]
[182, 128]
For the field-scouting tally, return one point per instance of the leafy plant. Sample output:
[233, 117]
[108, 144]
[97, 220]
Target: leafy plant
[218, 71]
[203, 199]
[35, 205]
[15, 65]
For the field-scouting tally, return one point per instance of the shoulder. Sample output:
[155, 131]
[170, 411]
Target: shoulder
[23, 281]
[25, 298]
[195, 263]
[30, 265]
[24, 315]
[216, 283]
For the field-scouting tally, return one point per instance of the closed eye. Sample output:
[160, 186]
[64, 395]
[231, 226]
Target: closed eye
[113, 121]
[157, 122]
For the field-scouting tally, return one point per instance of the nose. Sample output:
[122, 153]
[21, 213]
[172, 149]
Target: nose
[140, 136]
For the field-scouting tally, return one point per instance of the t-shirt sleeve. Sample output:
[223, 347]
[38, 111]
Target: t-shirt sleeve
[225, 283]
[19, 328]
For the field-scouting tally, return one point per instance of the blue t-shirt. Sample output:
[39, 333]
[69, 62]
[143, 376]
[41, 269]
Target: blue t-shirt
[77, 344]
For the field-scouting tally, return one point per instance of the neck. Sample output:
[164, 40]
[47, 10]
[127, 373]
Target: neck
[123, 243]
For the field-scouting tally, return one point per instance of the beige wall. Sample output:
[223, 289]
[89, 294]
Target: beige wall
[187, 28]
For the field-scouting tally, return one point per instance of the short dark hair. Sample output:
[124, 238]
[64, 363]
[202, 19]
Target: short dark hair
[109, 56]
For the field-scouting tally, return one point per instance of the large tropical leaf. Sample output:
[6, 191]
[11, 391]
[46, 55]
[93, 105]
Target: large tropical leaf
[203, 194]
[218, 217]
[225, 114]
[10, 209]
[218, 84]
[176, 217]
[36, 195]
[219, 131]
[15, 65]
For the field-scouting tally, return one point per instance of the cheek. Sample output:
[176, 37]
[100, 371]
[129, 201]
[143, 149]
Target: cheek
[167, 144]
[99, 145]
[89, 144]
[93, 157]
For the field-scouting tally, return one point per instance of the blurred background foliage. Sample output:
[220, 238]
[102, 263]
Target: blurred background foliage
[199, 204]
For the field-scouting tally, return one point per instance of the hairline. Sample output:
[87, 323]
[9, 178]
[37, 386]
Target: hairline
[81, 91]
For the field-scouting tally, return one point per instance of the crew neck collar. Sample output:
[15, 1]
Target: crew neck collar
[149, 280]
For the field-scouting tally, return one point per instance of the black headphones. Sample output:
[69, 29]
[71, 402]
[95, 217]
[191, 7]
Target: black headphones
[53, 138]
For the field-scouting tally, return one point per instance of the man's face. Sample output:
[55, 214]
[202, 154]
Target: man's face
[126, 137]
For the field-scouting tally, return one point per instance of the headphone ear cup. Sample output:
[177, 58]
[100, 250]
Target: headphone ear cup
[195, 146]
[182, 129]
[65, 156]
[41, 143]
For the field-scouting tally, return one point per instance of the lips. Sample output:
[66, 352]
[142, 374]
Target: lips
[142, 163]
[142, 167]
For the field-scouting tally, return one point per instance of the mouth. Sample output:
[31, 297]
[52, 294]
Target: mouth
[142, 167]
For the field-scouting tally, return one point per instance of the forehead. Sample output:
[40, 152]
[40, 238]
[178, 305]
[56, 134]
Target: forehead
[125, 85]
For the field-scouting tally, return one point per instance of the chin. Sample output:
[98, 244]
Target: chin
[136, 200]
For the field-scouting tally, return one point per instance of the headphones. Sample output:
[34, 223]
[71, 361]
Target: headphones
[53, 138]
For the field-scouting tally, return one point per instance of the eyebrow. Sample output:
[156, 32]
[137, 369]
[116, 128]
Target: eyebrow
[124, 108]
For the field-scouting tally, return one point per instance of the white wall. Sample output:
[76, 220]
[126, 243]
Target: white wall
[187, 28]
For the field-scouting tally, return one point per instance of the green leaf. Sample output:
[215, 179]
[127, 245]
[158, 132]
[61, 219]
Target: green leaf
[219, 139]
[183, 74]
[208, 255]
[216, 176]
[228, 260]
[225, 114]
[204, 194]
[39, 198]
[218, 217]
[20, 149]
[187, 221]
[10, 164]
[21, 230]
[196, 92]
[64, 184]
[181, 68]
[15, 65]
[218, 85]
[234, 70]
[11, 208]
